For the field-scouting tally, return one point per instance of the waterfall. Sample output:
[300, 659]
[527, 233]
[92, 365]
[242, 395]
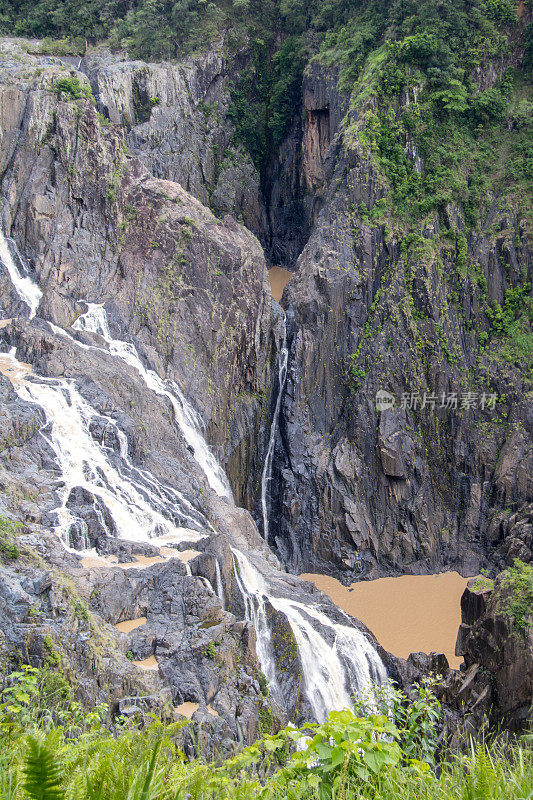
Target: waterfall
[337, 660]
[95, 321]
[252, 587]
[27, 290]
[333, 672]
[283, 358]
[141, 508]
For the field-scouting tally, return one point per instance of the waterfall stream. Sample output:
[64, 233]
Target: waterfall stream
[140, 506]
[27, 290]
[335, 665]
[266, 478]
[220, 585]
[333, 671]
[95, 320]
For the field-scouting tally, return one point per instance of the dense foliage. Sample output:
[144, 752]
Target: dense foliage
[417, 58]
[51, 750]
[516, 595]
[423, 79]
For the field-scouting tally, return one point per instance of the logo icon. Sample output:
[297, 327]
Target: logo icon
[384, 400]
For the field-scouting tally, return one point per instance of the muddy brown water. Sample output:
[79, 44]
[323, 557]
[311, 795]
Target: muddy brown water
[149, 663]
[130, 625]
[16, 372]
[187, 709]
[279, 278]
[407, 614]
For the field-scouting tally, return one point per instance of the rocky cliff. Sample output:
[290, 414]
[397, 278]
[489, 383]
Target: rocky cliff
[137, 328]
[142, 349]
[496, 642]
[426, 484]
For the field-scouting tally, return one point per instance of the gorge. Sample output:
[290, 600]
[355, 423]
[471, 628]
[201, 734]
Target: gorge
[199, 310]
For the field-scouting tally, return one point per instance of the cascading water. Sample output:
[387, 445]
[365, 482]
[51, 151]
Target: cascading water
[141, 508]
[334, 668]
[254, 592]
[266, 477]
[95, 321]
[27, 290]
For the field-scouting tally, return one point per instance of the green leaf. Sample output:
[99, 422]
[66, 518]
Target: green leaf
[313, 781]
[323, 751]
[360, 770]
[337, 756]
[41, 772]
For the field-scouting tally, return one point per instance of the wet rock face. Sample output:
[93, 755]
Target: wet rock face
[287, 662]
[498, 656]
[361, 491]
[323, 109]
[296, 180]
[396, 447]
[176, 123]
[202, 655]
[97, 226]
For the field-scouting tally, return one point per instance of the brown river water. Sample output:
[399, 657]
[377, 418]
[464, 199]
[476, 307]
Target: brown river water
[279, 278]
[407, 614]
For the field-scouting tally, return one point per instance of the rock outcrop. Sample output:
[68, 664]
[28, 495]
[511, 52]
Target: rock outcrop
[498, 654]
[427, 484]
[153, 325]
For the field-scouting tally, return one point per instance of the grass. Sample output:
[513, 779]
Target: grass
[53, 749]
[150, 765]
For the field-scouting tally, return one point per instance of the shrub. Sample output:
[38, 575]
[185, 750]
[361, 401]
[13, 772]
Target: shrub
[488, 106]
[344, 757]
[8, 533]
[461, 253]
[71, 87]
[516, 595]
[417, 717]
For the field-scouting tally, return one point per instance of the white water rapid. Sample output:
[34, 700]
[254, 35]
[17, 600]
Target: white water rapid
[141, 508]
[27, 290]
[95, 320]
[337, 660]
[254, 592]
[266, 477]
[334, 668]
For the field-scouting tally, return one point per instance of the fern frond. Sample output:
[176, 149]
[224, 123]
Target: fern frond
[150, 782]
[41, 772]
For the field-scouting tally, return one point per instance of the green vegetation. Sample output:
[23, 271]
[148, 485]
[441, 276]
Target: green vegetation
[72, 88]
[426, 97]
[267, 93]
[483, 584]
[51, 750]
[210, 650]
[516, 595]
[58, 47]
[8, 536]
[511, 325]
[432, 131]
